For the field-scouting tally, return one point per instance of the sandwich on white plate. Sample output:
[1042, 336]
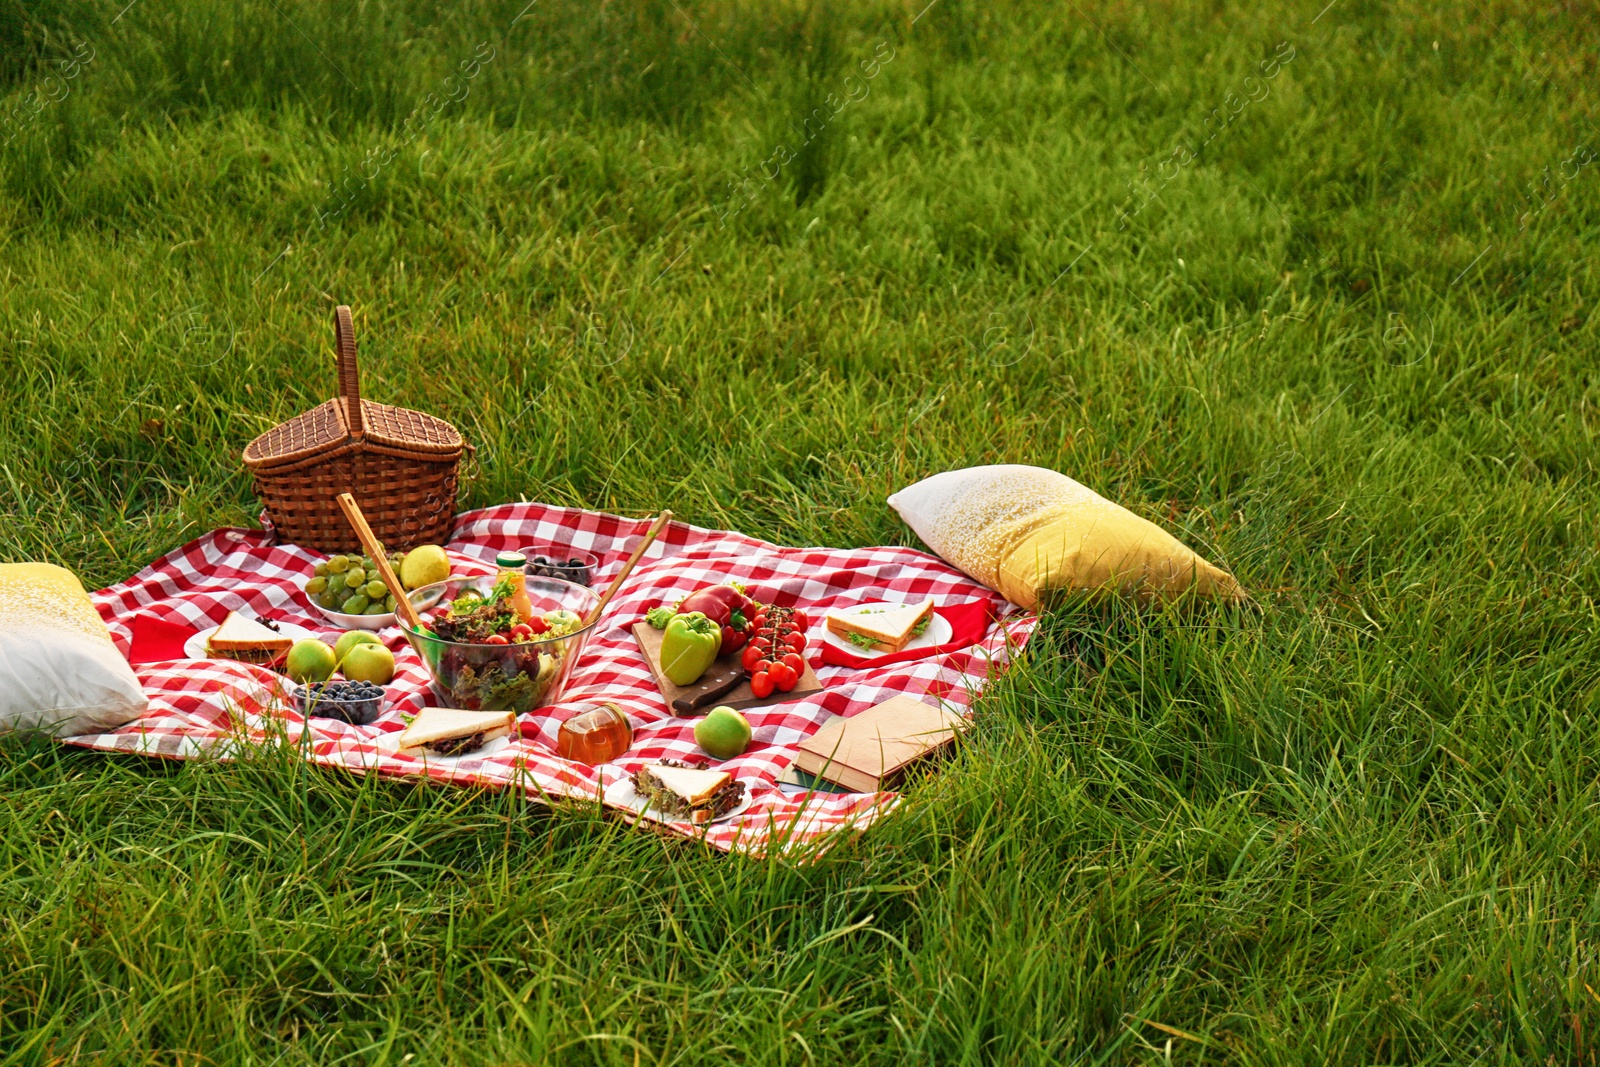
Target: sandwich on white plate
[453, 731]
[675, 790]
[246, 640]
[880, 627]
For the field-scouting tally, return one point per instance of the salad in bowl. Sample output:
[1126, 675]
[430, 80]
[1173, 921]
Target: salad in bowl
[489, 649]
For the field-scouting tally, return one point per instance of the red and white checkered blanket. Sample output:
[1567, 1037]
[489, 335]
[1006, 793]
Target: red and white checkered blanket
[206, 706]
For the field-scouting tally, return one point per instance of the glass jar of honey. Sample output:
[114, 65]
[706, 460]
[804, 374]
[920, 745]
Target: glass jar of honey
[596, 736]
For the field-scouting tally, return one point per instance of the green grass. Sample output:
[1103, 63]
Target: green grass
[1343, 352]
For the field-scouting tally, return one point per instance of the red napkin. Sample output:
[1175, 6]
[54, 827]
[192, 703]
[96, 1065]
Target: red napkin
[969, 623]
[157, 640]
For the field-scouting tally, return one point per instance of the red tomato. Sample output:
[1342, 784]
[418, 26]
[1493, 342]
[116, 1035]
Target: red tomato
[799, 620]
[759, 620]
[537, 625]
[752, 656]
[763, 631]
[795, 663]
[522, 629]
[797, 642]
[763, 643]
[761, 684]
[496, 639]
[783, 676]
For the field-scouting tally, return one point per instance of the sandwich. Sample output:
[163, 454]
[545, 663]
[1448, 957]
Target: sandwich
[678, 791]
[246, 640]
[881, 627]
[453, 732]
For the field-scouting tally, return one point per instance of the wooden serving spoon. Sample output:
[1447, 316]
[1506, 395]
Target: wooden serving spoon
[374, 549]
[627, 568]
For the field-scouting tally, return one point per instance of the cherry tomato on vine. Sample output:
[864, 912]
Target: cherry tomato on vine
[761, 684]
[783, 676]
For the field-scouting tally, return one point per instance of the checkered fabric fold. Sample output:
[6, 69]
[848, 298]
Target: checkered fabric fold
[205, 707]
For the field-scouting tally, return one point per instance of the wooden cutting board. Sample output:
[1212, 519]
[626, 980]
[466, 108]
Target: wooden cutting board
[740, 696]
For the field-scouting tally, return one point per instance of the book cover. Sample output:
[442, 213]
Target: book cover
[864, 751]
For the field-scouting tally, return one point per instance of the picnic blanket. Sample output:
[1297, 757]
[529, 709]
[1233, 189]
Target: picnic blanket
[202, 707]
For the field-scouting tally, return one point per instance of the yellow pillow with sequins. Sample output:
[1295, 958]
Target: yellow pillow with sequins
[59, 672]
[1027, 532]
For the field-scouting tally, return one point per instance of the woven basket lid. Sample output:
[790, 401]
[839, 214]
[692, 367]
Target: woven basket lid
[326, 428]
[348, 419]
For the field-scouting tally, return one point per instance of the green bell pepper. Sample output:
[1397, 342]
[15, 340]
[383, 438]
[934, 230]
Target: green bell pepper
[689, 645]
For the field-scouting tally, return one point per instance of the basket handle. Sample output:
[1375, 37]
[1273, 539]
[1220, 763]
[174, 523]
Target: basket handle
[344, 332]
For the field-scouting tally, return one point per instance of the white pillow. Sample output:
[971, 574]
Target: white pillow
[59, 672]
[1029, 532]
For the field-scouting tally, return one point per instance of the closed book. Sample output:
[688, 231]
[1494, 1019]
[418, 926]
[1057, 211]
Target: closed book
[867, 750]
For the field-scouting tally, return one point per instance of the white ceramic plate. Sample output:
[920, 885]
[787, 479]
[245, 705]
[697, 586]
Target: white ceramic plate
[624, 795]
[195, 647]
[372, 622]
[938, 632]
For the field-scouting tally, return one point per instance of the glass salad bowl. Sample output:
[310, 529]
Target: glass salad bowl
[520, 674]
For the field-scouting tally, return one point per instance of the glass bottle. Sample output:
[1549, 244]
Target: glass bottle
[514, 565]
[596, 736]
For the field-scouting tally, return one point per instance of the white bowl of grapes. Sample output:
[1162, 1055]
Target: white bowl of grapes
[347, 591]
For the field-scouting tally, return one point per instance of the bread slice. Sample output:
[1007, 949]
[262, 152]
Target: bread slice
[453, 731]
[889, 627]
[691, 786]
[246, 640]
[678, 791]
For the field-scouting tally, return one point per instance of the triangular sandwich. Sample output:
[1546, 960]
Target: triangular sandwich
[880, 627]
[246, 640]
[453, 732]
[678, 791]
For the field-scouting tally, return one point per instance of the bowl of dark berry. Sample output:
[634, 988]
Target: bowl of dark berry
[561, 561]
[356, 703]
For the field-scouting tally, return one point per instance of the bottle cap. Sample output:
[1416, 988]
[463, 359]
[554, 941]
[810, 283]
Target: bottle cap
[510, 560]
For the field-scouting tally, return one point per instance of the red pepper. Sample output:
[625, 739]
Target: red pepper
[732, 640]
[718, 603]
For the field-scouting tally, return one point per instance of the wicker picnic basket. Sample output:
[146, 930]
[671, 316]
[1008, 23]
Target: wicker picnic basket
[400, 465]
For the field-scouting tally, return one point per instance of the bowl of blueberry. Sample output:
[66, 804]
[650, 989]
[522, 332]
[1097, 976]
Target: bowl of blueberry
[561, 561]
[356, 703]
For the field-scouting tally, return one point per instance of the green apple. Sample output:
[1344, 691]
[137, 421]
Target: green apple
[369, 663]
[310, 660]
[424, 565]
[350, 639]
[723, 733]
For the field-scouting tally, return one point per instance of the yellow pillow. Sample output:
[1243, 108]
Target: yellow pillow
[59, 672]
[1026, 532]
